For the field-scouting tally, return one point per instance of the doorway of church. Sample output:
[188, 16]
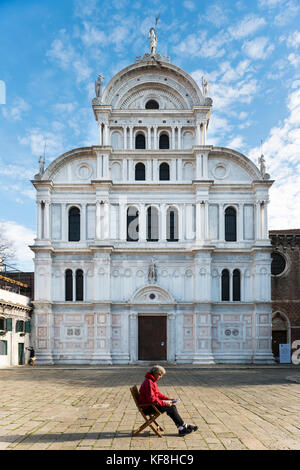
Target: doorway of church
[152, 338]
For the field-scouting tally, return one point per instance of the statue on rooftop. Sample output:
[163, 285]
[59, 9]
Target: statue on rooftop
[204, 87]
[98, 86]
[41, 165]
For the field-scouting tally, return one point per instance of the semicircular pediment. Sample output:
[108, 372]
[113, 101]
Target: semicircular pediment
[166, 76]
[137, 97]
[227, 165]
[152, 294]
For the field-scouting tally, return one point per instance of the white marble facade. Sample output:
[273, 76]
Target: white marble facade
[119, 285]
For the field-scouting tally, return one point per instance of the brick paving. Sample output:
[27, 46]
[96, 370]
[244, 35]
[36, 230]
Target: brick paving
[90, 408]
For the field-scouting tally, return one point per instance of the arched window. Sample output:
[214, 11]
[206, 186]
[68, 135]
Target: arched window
[236, 285]
[69, 285]
[230, 224]
[152, 104]
[140, 141]
[74, 224]
[152, 224]
[164, 172]
[172, 225]
[132, 224]
[79, 284]
[164, 141]
[225, 285]
[140, 172]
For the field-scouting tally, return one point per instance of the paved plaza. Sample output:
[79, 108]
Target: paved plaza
[91, 408]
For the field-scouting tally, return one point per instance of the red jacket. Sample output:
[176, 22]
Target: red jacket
[149, 392]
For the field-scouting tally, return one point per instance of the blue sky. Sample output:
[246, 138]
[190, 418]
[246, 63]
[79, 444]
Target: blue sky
[52, 51]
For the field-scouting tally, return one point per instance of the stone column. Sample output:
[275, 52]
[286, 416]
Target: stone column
[179, 146]
[179, 169]
[155, 138]
[266, 232]
[163, 223]
[98, 218]
[125, 137]
[173, 170]
[47, 220]
[240, 235]
[206, 225]
[106, 228]
[221, 223]
[258, 221]
[173, 138]
[133, 336]
[64, 222]
[123, 221]
[142, 223]
[131, 137]
[198, 222]
[100, 133]
[181, 212]
[155, 171]
[149, 138]
[39, 220]
[198, 133]
[83, 222]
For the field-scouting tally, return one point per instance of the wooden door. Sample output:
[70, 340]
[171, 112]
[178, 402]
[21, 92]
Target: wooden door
[152, 338]
[278, 337]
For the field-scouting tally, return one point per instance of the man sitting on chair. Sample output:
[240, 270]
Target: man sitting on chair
[149, 393]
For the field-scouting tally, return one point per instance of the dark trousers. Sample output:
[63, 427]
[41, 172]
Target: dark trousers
[170, 410]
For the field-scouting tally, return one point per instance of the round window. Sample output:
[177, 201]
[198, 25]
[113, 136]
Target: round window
[278, 264]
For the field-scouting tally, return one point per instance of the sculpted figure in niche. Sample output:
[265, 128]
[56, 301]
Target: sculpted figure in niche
[98, 86]
[152, 272]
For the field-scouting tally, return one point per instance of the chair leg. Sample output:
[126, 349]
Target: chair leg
[149, 423]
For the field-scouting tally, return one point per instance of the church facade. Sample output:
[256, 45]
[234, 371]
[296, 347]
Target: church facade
[152, 245]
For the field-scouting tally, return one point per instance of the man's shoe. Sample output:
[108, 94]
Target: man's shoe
[193, 428]
[184, 431]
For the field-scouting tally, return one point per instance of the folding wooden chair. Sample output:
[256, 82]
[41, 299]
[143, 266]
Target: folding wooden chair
[149, 419]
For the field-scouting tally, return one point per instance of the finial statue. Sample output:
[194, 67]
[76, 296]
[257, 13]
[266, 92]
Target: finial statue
[152, 271]
[98, 86]
[262, 164]
[41, 165]
[205, 87]
[152, 36]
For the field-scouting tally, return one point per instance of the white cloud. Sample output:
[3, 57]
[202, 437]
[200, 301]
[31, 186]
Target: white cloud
[293, 40]
[288, 12]
[36, 139]
[269, 3]
[294, 59]
[249, 25]
[198, 45]
[282, 151]
[16, 111]
[216, 14]
[258, 48]
[189, 5]
[66, 56]
[237, 143]
[21, 237]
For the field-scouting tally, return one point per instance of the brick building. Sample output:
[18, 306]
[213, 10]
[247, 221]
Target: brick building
[285, 269]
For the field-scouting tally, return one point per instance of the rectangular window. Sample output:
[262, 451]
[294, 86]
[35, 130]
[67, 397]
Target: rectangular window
[3, 348]
[9, 324]
[27, 327]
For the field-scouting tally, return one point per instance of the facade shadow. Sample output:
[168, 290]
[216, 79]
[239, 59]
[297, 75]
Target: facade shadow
[179, 377]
